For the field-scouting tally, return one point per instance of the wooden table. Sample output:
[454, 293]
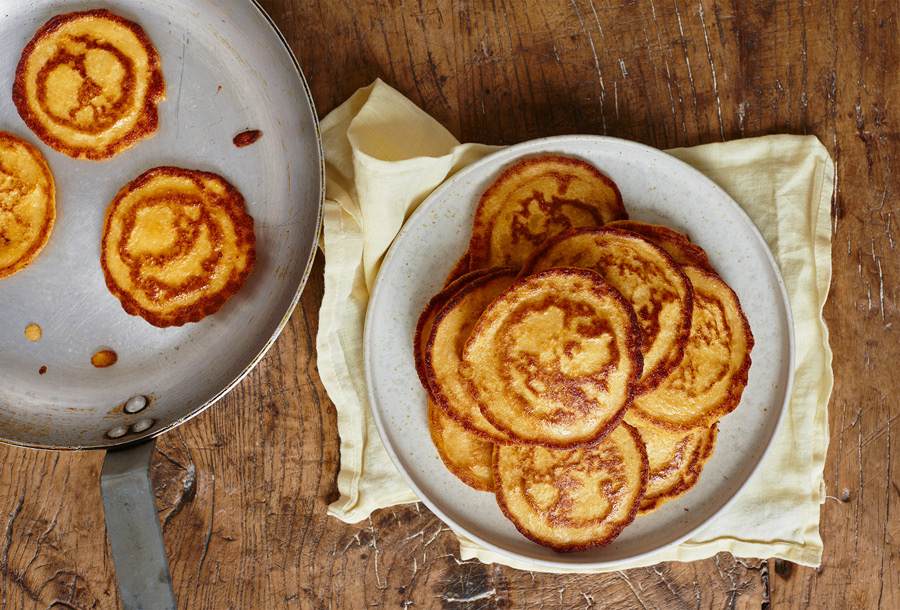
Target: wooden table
[243, 488]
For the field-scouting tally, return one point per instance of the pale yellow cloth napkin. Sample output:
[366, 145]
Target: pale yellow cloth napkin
[384, 155]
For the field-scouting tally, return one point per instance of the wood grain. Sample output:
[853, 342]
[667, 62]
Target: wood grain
[243, 488]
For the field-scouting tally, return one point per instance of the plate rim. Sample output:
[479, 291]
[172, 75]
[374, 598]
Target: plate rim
[510, 154]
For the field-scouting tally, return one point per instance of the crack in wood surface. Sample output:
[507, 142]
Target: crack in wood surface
[209, 529]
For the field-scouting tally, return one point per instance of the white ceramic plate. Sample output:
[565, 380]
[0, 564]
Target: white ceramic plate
[656, 188]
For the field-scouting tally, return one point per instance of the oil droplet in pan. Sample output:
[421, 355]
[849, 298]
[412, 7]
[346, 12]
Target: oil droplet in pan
[246, 138]
[104, 358]
[33, 332]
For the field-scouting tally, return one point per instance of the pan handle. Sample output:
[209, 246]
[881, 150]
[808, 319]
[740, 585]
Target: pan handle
[133, 525]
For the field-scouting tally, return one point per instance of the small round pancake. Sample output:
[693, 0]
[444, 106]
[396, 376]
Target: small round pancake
[573, 499]
[535, 199]
[676, 460]
[88, 83]
[708, 383]
[426, 322]
[647, 277]
[555, 359]
[676, 244]
[177, 244]
[27, 203]
[443, 353]
[468, 456]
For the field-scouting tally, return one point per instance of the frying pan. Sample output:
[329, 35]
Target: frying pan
[227, 70]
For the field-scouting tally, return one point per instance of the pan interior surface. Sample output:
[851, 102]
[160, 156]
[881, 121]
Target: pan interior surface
[227, 70]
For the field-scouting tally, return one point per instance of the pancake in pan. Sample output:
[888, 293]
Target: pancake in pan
[27, 203]
[176, 245]
[535, 199]
[555, 359]
[676, 460]
[452, 326]
[676, 244]
[468, 456]
[647, 277]
[711, 378]
[88, 83]
[573, 499]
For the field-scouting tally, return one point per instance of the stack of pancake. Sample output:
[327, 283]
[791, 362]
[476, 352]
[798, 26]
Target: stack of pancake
[576, 362]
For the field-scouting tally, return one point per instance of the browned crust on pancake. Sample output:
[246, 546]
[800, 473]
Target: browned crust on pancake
[437, 420]
[574, 547]
[479, 246]
[29, 256]
[738, 380]
[233, 202]
[149, 116]
[471, 281]
[692, 475]
[426, 322]
[678, 245]
[676, 354]
[632, 345]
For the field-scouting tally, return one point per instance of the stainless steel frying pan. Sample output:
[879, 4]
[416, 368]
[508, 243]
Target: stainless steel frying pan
[227, 69]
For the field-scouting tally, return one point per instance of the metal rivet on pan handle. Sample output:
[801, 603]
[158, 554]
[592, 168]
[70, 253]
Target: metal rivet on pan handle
[136, 404]
[142, 425]
[118, 432]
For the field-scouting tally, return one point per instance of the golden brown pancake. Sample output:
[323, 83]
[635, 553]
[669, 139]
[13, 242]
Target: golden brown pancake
[647, 277]
[88, 84]
[27, 203]
[443, 354]
[468, 456]
[177, 244]
[676, 460]
[676, 244]
[426, 322]
[711, 378]
[572, 499]
[555, 359]
[535, 199]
